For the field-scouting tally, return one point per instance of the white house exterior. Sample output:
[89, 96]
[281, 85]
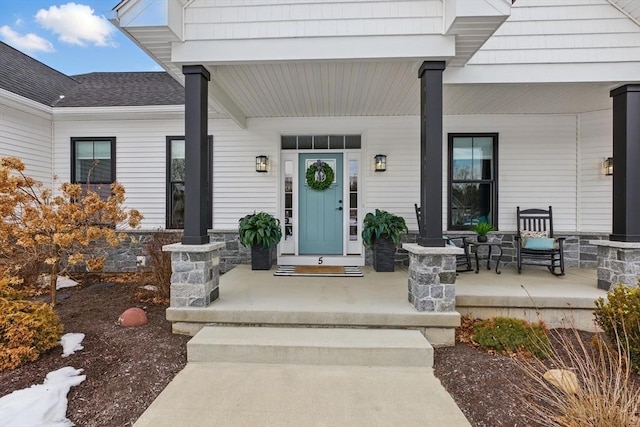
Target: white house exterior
[533, 77]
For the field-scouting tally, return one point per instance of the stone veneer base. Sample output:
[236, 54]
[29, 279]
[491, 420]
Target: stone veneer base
[618, 262]
[432, 277]
[195, 273]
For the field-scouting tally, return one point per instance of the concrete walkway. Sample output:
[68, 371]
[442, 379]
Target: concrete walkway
[248, 394]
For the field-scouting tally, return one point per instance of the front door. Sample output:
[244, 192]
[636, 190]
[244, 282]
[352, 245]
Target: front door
[321, 210]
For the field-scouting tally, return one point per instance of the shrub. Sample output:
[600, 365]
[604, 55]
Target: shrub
[605, 394]
[512, 336]
[382, 223]
[160, 263]
[259, 228]
[27, 329]
[619, 316]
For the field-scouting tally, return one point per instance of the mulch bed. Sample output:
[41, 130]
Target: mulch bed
[127, 368]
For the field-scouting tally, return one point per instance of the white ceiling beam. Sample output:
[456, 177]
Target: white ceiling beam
[222, 98]
[241, 51]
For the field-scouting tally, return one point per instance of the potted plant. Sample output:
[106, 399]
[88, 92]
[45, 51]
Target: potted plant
[482, 229]
[260, 231]
[381, 231]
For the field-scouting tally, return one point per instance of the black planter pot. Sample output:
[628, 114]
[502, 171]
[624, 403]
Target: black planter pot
[482, 239]
[384, 254]
[261, 258]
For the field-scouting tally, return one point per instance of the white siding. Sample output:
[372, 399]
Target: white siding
[27, 136]
[595, 188]
[537, 163]
[228, 19]
[562, 31]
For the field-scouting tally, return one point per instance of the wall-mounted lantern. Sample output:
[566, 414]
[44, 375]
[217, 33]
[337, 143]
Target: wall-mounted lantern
[608, 166]
[261, 163]
[380, 162]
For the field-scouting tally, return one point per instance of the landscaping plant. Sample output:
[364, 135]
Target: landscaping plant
[51, 231]
[619, 317]
[382, 223]
[510, 335]
[160, 263]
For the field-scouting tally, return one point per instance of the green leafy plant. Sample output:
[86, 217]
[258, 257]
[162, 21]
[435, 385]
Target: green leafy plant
[512, 336]
[260, 229]
[382, 223]
[482, 228]
[619, 316]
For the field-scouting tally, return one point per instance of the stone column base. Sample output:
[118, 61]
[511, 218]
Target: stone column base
[618, 262]
[432, 277]
[195, 273]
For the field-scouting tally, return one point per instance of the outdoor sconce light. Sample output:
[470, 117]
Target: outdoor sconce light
[608, 166]
[381, 162]
[261, 163]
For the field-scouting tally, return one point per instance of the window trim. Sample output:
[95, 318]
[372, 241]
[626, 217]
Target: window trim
[494, 180]
[168, 140]
[75, 140]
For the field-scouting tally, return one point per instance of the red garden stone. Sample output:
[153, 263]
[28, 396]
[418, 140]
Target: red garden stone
[133, 317]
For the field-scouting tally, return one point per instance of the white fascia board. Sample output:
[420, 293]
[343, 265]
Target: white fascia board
[544, 73]
[147, 14]
[17, 102]
[228, 52]
[152, 112]
[454, 9]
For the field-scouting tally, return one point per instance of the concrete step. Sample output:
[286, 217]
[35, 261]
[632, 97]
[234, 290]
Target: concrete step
[311, 346]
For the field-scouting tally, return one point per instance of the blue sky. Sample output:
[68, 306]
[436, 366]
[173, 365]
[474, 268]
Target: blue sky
[71, 37]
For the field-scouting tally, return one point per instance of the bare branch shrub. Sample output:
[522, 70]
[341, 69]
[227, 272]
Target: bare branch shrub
[160, 263]
[607, 395]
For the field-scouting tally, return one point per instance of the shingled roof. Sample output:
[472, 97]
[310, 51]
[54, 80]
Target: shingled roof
[25, 76]
[124, 89]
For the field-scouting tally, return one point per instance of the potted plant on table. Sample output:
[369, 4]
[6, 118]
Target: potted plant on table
[260, 231]
[482, 229]
[381, 231]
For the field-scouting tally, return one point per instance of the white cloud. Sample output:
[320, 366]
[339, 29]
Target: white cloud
[76, 24]
[25, 42]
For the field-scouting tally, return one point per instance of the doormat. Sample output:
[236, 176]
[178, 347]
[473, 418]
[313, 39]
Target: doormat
[318, 271]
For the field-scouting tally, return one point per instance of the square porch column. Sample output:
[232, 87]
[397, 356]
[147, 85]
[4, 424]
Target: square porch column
[430, 75]
[195, 136]
[626, 163]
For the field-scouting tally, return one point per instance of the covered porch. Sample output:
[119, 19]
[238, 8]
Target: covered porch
[379, 300]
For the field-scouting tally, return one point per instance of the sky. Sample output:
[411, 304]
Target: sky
[71, 37]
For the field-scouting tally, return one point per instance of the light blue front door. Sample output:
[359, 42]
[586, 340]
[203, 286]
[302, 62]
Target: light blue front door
[321, 211]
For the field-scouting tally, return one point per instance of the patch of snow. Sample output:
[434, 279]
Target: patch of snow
[150, 288]
[71, 343]
[61, 282]
[42, 404]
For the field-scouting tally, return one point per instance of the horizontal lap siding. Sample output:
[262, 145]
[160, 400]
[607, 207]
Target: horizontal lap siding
[537, 155]
[220, 20]
[565, 31]
[596, 188]
[28, 137]
[140, 159]
[537, 163]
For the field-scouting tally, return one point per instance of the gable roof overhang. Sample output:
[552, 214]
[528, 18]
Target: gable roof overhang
[250, 77]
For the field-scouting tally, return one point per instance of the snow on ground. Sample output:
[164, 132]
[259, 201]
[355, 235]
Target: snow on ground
[42, 404]
[61, 282]
[71, 343]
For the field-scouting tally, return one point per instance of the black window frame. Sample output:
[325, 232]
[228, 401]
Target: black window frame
[75, 140]
[169, 182]
[493, 181]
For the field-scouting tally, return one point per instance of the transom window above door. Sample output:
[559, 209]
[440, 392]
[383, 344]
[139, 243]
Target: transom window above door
[473, 180]
[321, 142]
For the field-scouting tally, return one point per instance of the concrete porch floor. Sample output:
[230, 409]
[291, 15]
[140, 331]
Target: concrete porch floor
[379, 300]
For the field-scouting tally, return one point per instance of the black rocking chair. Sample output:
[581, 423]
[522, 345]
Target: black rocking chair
[537, 225]
[461, 242]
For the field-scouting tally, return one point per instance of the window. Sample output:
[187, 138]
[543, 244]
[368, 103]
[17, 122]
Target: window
[93, 164]
[175, 181]
[473, 180]
[321, 142]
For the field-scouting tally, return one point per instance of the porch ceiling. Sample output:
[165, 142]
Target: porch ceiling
[387, 89]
